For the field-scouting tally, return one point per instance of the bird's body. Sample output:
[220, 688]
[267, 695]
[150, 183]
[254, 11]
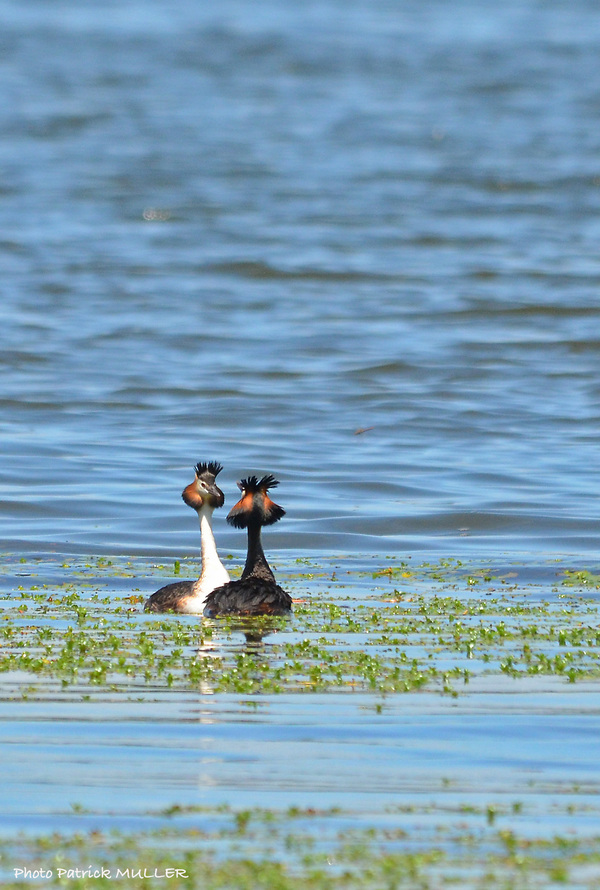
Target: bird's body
[177, 597]
[248, 596]
[256, 592]
[189, 597]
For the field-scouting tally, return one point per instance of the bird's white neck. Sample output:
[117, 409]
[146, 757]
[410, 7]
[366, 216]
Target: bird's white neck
[213, 572]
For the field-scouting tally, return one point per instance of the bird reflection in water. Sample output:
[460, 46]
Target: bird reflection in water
[240, 645]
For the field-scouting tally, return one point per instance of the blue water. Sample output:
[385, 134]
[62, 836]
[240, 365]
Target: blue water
[245, 233]
[421, 755]
[354, 244]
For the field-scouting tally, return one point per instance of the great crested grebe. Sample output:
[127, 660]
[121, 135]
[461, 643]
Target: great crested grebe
[256, 592]
[204, 496]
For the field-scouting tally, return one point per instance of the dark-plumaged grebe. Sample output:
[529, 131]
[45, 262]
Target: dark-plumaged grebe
[256, 592]
[204, 496]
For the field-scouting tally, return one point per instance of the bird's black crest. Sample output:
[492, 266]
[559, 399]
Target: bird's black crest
[212, 467]
[255, 504]
[264, 514]
[252, 484]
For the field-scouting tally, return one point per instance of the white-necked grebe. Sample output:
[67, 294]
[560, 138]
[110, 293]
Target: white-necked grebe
[204, 496]
[256, 592]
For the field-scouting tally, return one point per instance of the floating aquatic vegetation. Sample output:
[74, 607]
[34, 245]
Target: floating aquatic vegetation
[446, 627]
[302, 849]
[74, 630]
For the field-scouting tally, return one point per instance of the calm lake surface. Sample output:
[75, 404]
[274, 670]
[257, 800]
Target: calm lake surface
[354, 244]
[243, 234]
